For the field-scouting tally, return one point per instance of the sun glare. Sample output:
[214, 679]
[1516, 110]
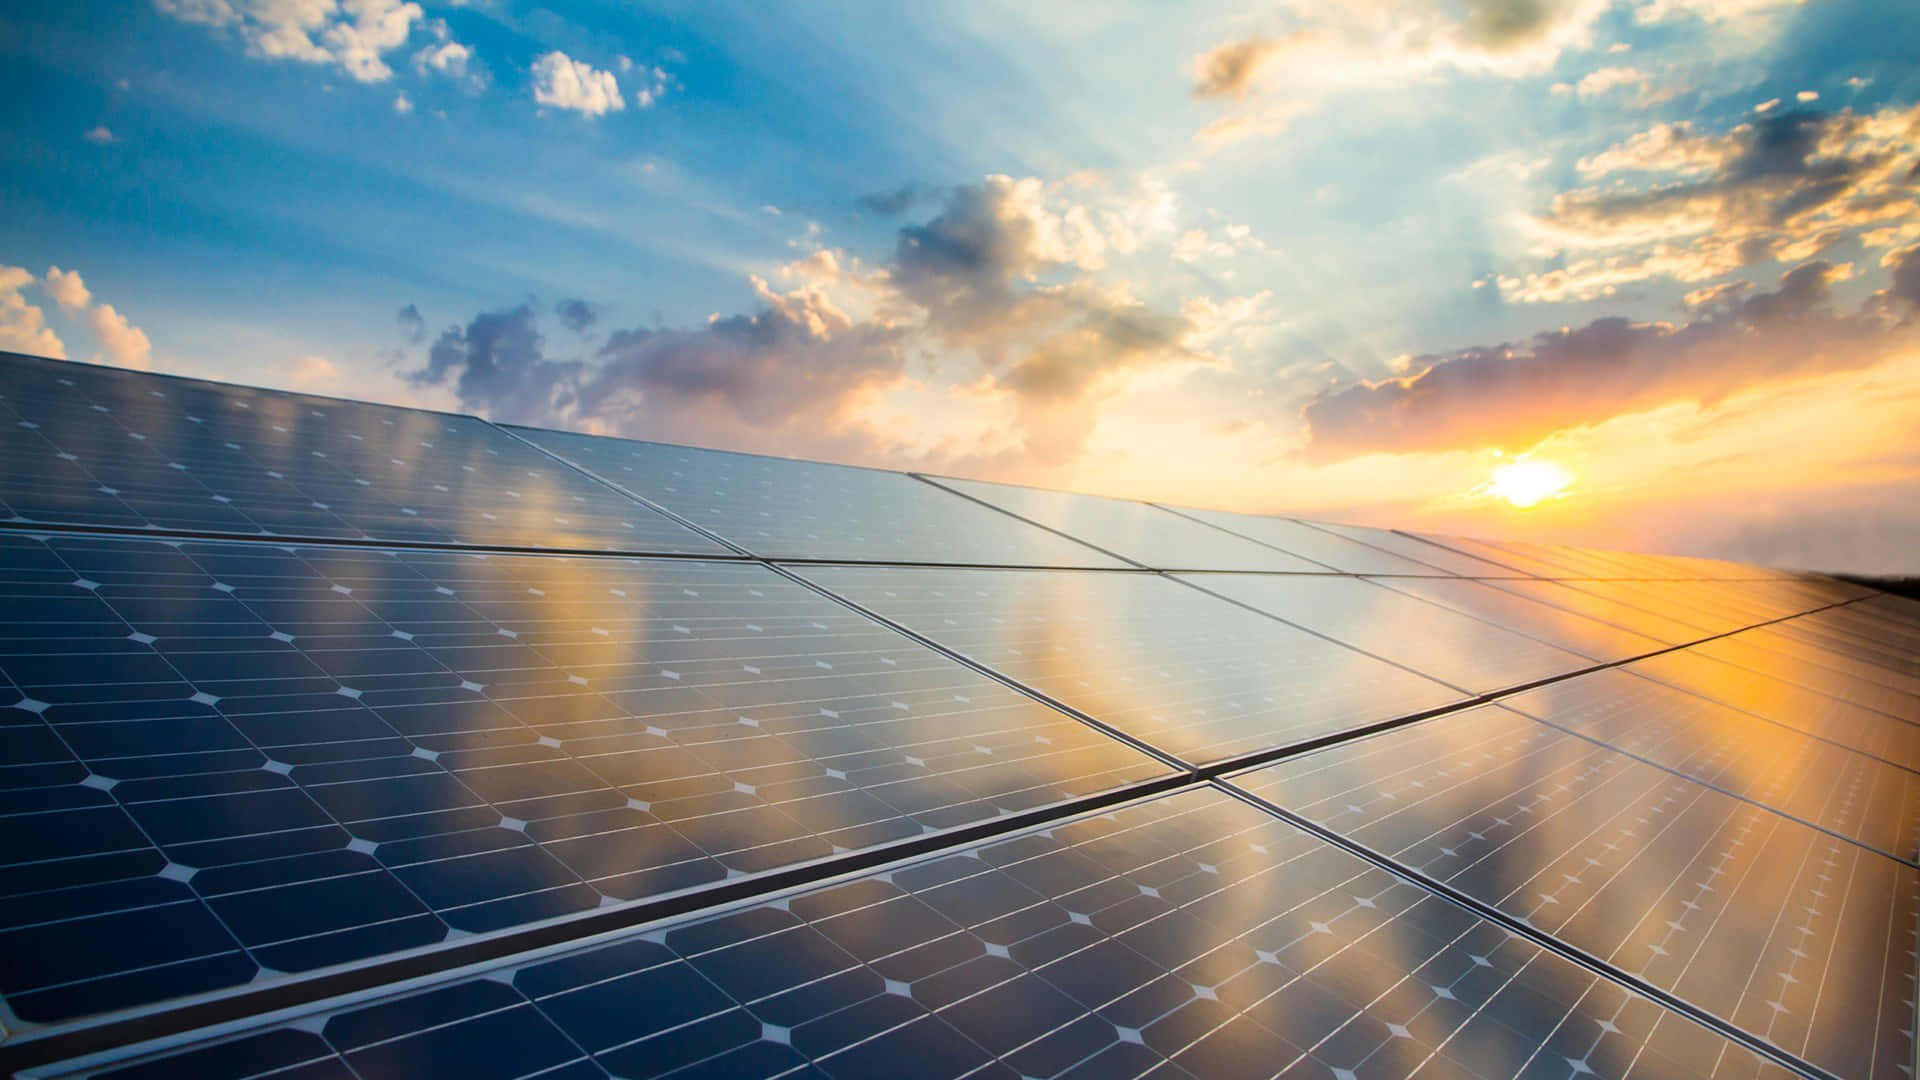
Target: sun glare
[1527, 483]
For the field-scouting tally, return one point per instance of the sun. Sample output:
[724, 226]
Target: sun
[1527, 483]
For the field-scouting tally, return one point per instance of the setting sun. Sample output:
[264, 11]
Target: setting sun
[1526, 483]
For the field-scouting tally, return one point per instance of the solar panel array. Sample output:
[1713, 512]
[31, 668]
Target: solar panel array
[341, 740]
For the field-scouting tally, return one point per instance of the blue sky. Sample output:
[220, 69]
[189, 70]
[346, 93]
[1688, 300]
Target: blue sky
[1268, 257]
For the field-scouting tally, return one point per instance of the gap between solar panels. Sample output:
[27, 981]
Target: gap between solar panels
[57, 1042]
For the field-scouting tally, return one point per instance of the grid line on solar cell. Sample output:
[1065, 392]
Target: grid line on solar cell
[1193, 930]
[1338, 553]
[94, 446]
[1667, 880]
[408, 747]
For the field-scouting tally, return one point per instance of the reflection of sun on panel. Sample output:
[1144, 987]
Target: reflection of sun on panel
[1528, 483]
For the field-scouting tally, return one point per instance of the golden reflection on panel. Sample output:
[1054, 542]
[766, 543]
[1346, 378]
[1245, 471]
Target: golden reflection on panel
[1186, 672]
[1774, 926]
[1853, 794]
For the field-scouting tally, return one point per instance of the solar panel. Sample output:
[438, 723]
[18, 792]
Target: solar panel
[1188, 936]
[339, 740]
[1794, 935]
[1188, 673]
[1564, 629]
[1298, 538]
[99, 446]
[1427, 638]
[1420, 551]
[1890, 738]
[229, 758]
[1821, 783]
[787, 509]
[1145, 534]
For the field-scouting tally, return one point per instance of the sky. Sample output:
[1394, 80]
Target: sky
[1640, 274]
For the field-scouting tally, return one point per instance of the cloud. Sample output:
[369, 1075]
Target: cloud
[125, 343]
[995, 289]
[402, 104]
[353, 35]
[100, 136]
[653, 85]
[412, 324]
[451, 60]
[1690, 205]
[565, 83]
[1512, 396]
[1229, 69]
[1603, 81]
[576, 315]
[67, 289]
[23, 326]
[891, 203]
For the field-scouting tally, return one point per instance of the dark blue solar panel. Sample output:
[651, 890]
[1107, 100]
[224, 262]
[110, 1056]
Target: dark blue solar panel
[1190, 936]
[1797, 936]
[101, 446]
[228, 759]
[784, 509]
[1186, 672]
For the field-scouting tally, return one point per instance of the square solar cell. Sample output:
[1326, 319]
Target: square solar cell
[1794, 935]
[101, 446]
[1137, 531]
[1188, 673]
[1821, 783]
[1187, 936]
[1340, 553]
[1437, 642]
[225, 759]
[780, 508]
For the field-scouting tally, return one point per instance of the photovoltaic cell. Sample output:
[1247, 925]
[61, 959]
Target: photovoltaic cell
[1145, 534]
[1190, 936]
[1567, 630]
[786, 509]
[100, 446]
[1433, 640]
[1298, 538]
[224, 759]
[1817, 669]
[1842, 790]
[1795, 936]
[1185, 672]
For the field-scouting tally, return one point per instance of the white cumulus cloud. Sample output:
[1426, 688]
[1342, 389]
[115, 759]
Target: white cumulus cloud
[566, 83]
[351, 34]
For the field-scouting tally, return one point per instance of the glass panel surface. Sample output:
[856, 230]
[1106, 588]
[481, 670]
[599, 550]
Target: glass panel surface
[90, 445]
[224, 759]
[1420, 551]
[1818, 669]
[1829, 718]
[1192, 936]
[1606, 609]
[1188, 673]
[1575, 633]
[1146, 534]
[1847, 792]
[1428, 638]
[1306, 541]
[779, 508]
[1794, 935]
